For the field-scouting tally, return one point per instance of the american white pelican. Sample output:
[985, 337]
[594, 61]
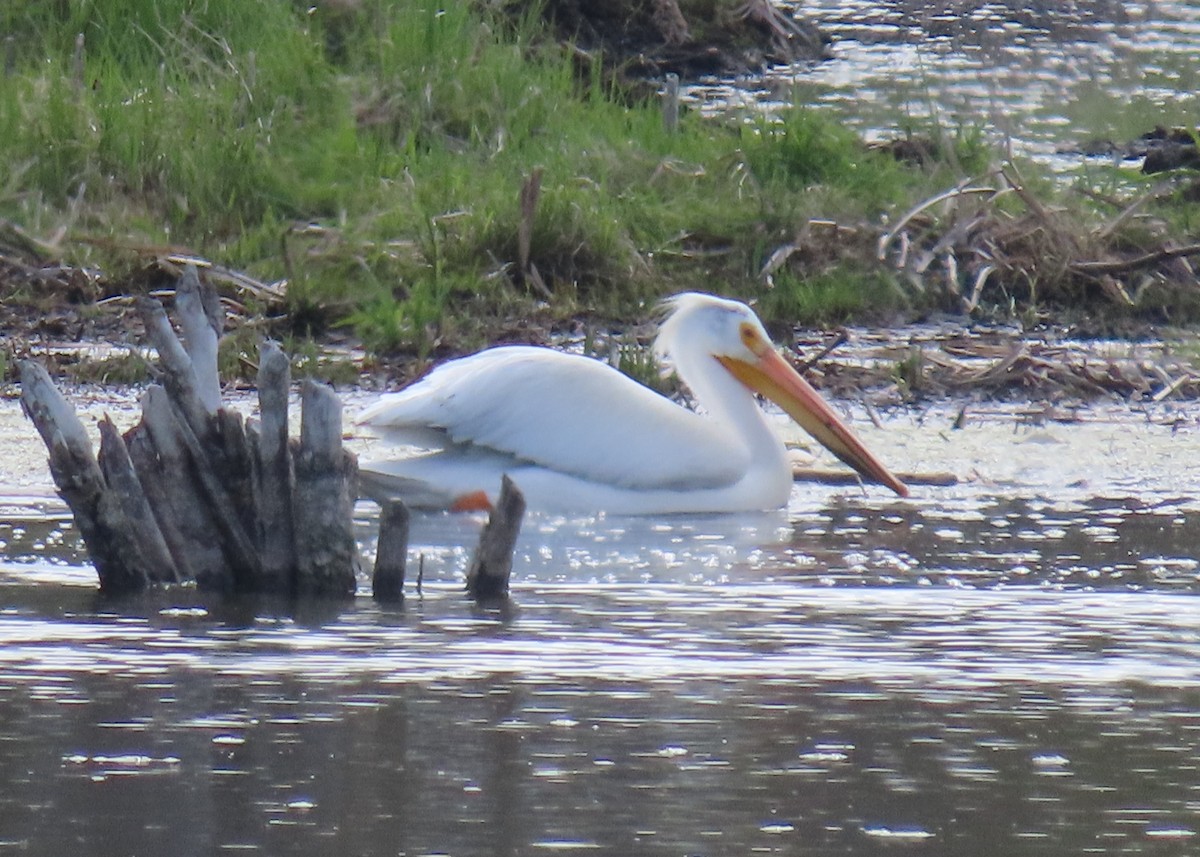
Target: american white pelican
[575, 434]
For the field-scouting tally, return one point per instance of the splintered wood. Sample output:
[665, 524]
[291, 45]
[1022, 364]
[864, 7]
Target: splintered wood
[193, 493]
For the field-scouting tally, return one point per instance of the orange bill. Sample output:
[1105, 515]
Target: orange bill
[774, 378]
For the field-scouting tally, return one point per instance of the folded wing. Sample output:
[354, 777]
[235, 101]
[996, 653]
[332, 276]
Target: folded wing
[566, 413]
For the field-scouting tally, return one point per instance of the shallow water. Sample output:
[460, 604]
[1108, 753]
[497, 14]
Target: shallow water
[1008, 665]
[1039, 77]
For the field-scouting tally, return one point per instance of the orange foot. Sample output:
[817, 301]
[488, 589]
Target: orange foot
[476, 501]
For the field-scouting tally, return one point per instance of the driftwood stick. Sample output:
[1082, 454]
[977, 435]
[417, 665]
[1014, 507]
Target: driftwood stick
[276, 539]
[143, 535]
[487, 577]
[847, 477]
[838, 341]
[200, 338]
[327, 559]
[961, 189]
[1144, 261]
[391, 557]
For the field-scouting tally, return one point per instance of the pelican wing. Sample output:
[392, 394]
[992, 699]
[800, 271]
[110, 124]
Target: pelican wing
[567, 413]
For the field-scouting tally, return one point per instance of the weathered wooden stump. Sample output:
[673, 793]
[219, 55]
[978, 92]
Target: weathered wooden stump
[191, 493]
[487, 577]
[391, 555]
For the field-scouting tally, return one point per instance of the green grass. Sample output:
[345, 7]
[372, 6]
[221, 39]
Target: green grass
[827, 298]
[404, 131]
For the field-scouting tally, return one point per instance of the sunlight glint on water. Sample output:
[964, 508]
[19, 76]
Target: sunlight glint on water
[1014, 659]
[1042, 77]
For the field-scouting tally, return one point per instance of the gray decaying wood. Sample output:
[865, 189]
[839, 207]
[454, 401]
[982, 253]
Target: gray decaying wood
[122, 481]
[99, 514]
[189, 535]
[227, 513]
[193, 493]
[179, 376]
[276, 537]
[491, 565]
[391, 556]
[327, 558]
[200, 337]
[192, 533]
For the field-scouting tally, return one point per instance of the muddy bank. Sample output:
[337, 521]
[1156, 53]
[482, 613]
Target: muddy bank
[1053, 370]
[690, 38]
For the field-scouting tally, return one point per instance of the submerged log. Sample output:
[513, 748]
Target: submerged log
[844, 477]
[487, 577]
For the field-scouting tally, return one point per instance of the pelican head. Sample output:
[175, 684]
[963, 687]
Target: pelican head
[700, 326]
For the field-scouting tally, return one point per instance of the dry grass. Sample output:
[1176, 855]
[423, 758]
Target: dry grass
[998, 244]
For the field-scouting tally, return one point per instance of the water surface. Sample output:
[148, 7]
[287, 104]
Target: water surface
[1008, 665]
[1037, 77]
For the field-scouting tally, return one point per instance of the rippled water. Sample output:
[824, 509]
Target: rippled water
[1008, 665]
[1040, 76]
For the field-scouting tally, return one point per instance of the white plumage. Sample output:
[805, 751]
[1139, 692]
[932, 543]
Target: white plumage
[575, 434]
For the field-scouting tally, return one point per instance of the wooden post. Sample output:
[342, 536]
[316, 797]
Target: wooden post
[487, 577]
[670, 104]
[391, 556]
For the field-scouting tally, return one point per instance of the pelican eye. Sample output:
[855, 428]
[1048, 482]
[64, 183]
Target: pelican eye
[749, 336]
